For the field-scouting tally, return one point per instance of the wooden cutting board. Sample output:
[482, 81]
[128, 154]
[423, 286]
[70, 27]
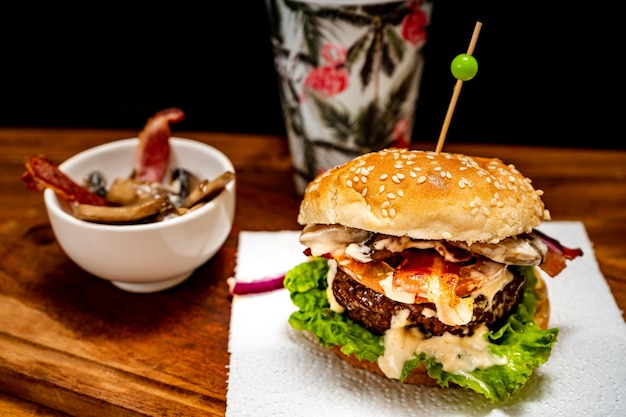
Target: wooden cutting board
[80, 345]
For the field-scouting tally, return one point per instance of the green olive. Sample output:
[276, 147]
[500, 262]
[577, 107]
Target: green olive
[464, 67]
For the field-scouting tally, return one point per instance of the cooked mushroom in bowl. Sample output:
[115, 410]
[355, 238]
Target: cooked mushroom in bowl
[148, 256]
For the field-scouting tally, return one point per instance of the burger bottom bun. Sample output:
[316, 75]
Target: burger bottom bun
[418, 376]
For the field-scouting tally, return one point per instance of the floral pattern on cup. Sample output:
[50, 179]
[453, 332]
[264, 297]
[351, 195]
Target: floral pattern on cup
[348, 77]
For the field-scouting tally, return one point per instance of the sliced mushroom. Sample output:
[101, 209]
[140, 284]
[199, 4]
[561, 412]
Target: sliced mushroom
[128, 191]
[130, 213]
[207, 190]
[123, 191]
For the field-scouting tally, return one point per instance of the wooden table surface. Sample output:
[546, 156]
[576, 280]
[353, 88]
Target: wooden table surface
[72, 344]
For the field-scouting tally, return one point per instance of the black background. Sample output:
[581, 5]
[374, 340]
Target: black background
[549, 71]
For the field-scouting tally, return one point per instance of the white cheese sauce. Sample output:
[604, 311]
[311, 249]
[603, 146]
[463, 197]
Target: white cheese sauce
[400, 345]
[458, 355]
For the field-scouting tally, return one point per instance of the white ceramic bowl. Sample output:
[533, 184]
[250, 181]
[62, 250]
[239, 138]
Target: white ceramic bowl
[145, 257]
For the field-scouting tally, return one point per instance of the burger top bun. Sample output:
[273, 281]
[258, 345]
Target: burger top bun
[425, 195]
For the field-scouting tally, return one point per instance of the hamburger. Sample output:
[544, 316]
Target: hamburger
[426, 267]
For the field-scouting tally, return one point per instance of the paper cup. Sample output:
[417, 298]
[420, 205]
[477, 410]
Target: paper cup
[349, 74]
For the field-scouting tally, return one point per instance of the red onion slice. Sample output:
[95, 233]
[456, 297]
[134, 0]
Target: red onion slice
[555, 245]
[255, 287]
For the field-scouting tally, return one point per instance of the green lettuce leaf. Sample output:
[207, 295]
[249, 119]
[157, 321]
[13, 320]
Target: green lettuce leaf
[307, 284]
[518, 339]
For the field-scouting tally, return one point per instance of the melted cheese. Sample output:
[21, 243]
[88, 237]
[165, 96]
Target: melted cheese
[396, 294]
[458, 355]
[494, 286]
[451, 310]
[330, 277]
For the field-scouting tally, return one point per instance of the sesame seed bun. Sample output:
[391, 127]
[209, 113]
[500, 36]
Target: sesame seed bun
[425, 195]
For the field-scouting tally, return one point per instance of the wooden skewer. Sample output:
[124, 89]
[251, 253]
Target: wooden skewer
[456, 92]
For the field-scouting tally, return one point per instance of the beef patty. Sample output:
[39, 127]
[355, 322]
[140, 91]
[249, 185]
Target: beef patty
[375, 310]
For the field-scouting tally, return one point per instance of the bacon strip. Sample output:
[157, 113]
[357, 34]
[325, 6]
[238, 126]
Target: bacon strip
[153, 151]
[554, 261]
[42, 173]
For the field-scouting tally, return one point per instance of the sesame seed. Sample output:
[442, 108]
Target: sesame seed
[401, 193]
[364, 191]
[446, 235]
[413, 174]
[385, 213]
[421, 179]
[392, 212]
[437, 168]
[363, 179]
[383, 177]
[385, 204]
[355, 179]
[391, 196]
[349, 184]
[381, 189]
[398, 165]
[461, 184]
[474, 211]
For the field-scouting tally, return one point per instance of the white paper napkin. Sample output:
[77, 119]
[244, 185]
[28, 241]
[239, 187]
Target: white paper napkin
[277, 371]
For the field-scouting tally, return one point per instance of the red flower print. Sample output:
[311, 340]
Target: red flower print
[332, 78]
[414, 25]
[399, 134]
